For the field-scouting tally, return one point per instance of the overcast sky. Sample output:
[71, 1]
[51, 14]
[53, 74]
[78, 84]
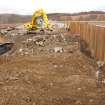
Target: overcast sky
[51, 6]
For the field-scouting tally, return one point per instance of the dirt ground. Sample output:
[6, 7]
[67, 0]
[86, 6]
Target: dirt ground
[35, 73]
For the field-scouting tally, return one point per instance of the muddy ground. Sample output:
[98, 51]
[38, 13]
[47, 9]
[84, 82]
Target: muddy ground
[48, 70]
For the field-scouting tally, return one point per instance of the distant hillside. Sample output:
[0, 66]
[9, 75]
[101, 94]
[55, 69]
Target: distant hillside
[89, 16]
[13, 18]
[82, 16]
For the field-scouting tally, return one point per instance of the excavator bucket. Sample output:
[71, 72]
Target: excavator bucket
[6, 47]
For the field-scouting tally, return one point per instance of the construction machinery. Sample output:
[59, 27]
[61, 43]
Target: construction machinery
[4, 45]
[39, 21]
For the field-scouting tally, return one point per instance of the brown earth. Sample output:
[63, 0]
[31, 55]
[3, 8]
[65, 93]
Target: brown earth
[36, 75]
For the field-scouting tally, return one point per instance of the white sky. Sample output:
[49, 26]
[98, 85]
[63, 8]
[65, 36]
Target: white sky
[51, 6]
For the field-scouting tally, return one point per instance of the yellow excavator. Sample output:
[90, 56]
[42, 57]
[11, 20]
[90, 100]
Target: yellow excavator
[34, 25]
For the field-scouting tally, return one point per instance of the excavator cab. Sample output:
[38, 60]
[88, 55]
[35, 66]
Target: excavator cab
[40, 22]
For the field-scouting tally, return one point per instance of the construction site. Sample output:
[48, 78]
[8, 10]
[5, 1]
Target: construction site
[48, 62]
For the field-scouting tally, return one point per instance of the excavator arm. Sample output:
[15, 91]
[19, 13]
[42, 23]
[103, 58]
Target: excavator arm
[35, 17]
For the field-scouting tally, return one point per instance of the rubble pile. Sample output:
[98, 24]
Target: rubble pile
[36, 43]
